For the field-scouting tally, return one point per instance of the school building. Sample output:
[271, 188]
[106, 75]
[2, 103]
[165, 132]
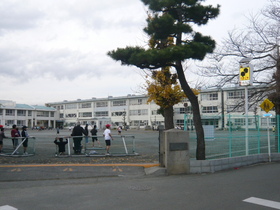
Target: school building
[218, 106]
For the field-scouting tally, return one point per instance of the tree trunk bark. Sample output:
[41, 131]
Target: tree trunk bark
[200, 149]
[168, 118]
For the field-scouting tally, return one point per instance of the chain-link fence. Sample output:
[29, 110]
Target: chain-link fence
[240, 137]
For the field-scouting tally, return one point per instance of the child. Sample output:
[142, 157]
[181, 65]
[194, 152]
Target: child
[15, 133]
[107, 136]
[61, 145]
[94, 136]
[119, 130]
[25, 136]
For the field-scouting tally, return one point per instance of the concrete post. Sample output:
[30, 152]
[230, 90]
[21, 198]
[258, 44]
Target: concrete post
[176, 152]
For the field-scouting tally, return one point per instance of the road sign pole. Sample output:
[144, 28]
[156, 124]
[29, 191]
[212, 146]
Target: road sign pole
[268, 139]
[246, 121]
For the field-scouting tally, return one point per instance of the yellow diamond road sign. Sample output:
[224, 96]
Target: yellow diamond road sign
[267, 105]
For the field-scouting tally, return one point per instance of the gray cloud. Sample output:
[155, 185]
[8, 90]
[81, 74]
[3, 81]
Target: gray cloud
[18, 16]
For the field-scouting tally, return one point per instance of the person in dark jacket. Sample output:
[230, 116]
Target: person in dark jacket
[77, 134]
[25, 136]
[61, 145]
[86, 130]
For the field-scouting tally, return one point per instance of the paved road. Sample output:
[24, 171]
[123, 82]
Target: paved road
[126, 187]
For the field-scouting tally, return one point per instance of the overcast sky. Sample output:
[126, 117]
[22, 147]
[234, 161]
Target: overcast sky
[56, 50]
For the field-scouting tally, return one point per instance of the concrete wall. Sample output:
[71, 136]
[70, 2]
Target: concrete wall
[211, 166]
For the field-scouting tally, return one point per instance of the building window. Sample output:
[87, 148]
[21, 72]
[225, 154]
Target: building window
[117, 114]
[42, 114]
[138, 101]
[138, 112]
[119, 103]
[60, 115]
[139, 122]
[10, 122]
[85, 105]
[271, 121]
[21, 112]
[180, 122]
[182, 110]
[209, 96]
[1, 111]
[101, 104]
[52, 114]
[209, 109]
[235, 108]
[85, 114]
[71, 115]
[101, 114]
[29, 113]
[235, 94]
[71, 106]
[20, 123]
[10, 112]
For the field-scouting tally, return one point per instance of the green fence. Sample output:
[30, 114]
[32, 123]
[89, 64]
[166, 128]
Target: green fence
[261, 136]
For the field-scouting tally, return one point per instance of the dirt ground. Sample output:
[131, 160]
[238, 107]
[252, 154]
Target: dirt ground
[146, 146]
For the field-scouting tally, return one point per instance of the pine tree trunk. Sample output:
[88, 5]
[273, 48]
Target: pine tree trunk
[200, 149]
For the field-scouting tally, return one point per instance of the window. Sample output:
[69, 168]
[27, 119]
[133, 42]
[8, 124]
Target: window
[85, 114]
[138, 101]
[85, 105]
[182, 110]
[21, 112]
[1, 111]
[20, 123]
[180, 122]
[118, 113]
[42, 114]
[10, 112]
[271, 121]
[60, 115]
[52, 114]
[101, 104]
[235, 108]
[73, 115]
[235, 94]
[139, 122]
[29, 113]
[119, 103]
[10, 122]
[101, 114]
[71, 106]
[209, 109]
[241, 121]
[138, 112]
[209, 96]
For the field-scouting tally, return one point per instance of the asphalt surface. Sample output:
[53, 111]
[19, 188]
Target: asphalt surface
[44, 181]
[127, 187]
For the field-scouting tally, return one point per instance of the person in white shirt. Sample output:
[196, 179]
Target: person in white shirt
[108, 137]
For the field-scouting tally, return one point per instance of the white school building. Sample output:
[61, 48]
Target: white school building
[217, 105]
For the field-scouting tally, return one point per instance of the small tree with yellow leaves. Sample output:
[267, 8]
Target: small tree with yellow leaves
[165, 91]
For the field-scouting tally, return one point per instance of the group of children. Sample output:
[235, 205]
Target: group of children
[15, 134]
[107, 137]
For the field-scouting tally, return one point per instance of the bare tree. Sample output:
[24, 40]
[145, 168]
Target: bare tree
[258, 40]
